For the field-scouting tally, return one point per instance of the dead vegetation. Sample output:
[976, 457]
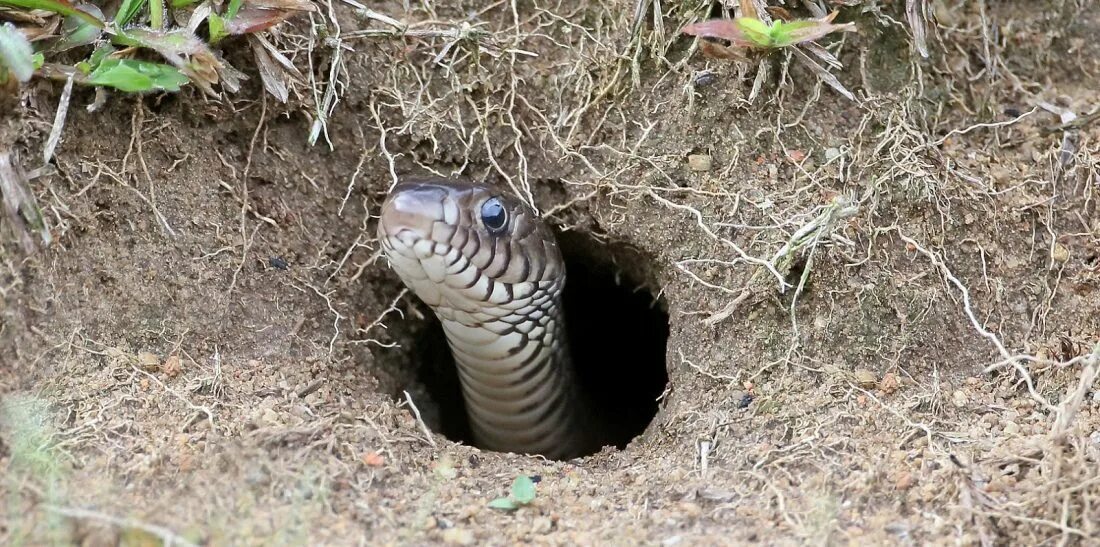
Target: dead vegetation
[882, 304]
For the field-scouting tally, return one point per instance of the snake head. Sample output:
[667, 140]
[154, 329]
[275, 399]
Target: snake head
[467, 249]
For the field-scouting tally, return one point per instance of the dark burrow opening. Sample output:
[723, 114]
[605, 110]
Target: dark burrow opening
[618, 332]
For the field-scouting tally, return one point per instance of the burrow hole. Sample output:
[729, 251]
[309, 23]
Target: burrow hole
[618, 332]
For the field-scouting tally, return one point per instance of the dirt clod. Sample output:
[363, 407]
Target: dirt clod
[889, 383]
[172, 366]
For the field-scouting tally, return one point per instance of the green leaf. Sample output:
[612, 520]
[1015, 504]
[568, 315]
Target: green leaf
[100, 54]
[76, 32]
[786, 34]
[505, 504]
[57, 6]
[234, 7]
[127, 11]
[95, 58]
[136, 76]
[791, 27]
[755, 30]
[192, 56]
[16, 55]
[217, 27]
[523, 490]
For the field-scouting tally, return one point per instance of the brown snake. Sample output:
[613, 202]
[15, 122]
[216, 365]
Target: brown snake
[493, 274]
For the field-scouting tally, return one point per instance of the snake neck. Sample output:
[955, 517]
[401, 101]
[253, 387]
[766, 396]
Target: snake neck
[519, 385]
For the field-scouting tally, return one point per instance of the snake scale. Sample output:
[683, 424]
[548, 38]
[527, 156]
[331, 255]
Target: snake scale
[493, 273]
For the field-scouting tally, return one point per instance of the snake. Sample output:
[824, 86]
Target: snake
[492, 272]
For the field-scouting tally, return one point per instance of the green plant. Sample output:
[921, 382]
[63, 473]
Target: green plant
[754, 31]
[522, 493]
[120, 46]
[751, 32]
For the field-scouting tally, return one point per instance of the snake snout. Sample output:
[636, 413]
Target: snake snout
[410, 212]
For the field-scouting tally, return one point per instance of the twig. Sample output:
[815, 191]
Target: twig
[167, 536]
[310, 388]
[58, 121]
[914, 12]
[19, 202]
[198, 409]
[419, 420]
[378, 322]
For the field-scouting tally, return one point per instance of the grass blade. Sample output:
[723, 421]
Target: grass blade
[127, 11]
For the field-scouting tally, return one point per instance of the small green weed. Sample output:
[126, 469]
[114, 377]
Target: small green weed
[751, 32]
[523, 493]
[755, 31]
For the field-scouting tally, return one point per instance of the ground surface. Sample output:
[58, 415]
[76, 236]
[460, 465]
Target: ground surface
[163, 376]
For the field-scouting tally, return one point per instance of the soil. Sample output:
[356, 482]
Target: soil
[880, 311]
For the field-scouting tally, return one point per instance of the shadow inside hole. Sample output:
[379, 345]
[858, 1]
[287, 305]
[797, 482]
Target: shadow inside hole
[617, 331]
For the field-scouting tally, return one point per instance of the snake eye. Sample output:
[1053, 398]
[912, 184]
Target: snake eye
[493, 215]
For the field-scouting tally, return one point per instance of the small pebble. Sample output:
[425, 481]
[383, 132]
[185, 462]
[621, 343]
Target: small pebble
[148, 362]
[705, 78]
[691, 509]
[865, 378]
[458, 536]
[904, 481]
[270, 417]
[1060, 253]
[959, 398]
[700, 162]
[542, 525]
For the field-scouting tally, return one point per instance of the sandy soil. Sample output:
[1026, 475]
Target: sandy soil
[211, 350]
